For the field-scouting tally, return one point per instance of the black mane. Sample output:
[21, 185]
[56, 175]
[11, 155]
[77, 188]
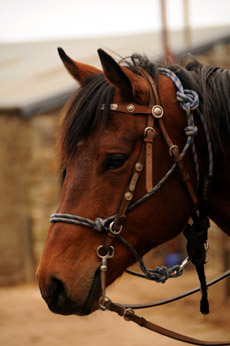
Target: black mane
[213, 86]
[84, 108]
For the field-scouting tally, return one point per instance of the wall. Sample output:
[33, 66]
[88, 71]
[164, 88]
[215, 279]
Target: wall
[219, 56]
[28, 192]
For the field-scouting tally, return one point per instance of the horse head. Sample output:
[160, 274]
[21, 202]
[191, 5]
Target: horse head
[99, 147]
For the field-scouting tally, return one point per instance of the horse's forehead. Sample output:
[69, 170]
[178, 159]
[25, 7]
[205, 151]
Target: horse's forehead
[118, 136]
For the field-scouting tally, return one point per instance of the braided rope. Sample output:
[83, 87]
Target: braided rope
[159, 274]
[189, 101]
[98, 224]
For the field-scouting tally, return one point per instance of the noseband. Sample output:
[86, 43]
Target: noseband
[112, 226]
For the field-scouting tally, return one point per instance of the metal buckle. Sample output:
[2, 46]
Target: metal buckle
[128, 311]
[149, 129]
[171, 149]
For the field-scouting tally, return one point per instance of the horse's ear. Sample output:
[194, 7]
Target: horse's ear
[79, 71]
[116, 75]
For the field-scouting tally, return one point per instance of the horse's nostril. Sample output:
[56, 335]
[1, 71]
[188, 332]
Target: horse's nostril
[56, 297]
[56, 292]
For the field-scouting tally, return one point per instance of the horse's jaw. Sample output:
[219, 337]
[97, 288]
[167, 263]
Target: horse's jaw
[92, 302]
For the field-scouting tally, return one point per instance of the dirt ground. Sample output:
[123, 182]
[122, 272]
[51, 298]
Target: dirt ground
[25, 319]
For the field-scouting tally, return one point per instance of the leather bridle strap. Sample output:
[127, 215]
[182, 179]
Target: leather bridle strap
[173, 149]
[174, 152]
[150, 131]
[145, 157]
[129, 315]
[157, 113]
[120, 217]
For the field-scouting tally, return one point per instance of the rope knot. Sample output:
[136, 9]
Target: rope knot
[188, 99]
[161, 274]
[99, 224]
[191, 130]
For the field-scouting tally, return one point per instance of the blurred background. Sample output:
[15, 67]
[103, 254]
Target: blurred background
[34, 86]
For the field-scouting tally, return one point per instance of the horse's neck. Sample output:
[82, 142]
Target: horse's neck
[220, 194]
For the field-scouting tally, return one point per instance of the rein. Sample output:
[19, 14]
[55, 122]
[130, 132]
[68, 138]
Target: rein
[112, 225]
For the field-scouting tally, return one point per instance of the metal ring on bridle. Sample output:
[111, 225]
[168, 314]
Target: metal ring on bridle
[171, 149]
[105, 299]
[149, 129]
[114, 231]
[126, 312]
[109, 254]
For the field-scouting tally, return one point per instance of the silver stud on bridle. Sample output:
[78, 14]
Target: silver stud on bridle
[157, 111]
[130, 108]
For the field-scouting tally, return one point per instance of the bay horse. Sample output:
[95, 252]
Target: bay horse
[125, 134]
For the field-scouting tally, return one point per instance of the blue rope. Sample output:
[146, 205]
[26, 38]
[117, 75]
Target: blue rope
[159, 274]
[189, 101]
[98, 224]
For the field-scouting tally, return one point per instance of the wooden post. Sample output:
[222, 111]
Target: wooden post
[187, 31]
[167, 53]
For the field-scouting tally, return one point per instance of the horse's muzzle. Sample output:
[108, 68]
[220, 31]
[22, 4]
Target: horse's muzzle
[59, 302]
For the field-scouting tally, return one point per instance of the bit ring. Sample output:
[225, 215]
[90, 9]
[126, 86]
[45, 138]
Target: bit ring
[105, 299]
[109, 254]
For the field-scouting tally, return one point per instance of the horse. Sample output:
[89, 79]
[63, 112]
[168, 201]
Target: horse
[135, 155]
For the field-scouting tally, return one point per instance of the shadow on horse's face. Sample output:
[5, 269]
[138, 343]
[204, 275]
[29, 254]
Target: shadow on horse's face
[97, 175]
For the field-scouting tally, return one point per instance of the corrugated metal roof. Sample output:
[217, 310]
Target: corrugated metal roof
[33, 79]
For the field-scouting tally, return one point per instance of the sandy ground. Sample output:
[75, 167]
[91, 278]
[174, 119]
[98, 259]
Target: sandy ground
[25, 319]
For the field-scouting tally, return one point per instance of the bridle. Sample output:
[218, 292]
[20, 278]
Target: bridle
[112, 226]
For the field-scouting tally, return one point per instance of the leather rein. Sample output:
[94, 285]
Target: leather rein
[153, 112]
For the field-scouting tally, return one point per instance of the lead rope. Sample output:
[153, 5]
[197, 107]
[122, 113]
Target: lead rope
[129, 315]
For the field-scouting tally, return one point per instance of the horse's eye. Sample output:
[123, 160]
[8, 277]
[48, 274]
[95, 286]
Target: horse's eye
[63, 174]
[114, 161]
